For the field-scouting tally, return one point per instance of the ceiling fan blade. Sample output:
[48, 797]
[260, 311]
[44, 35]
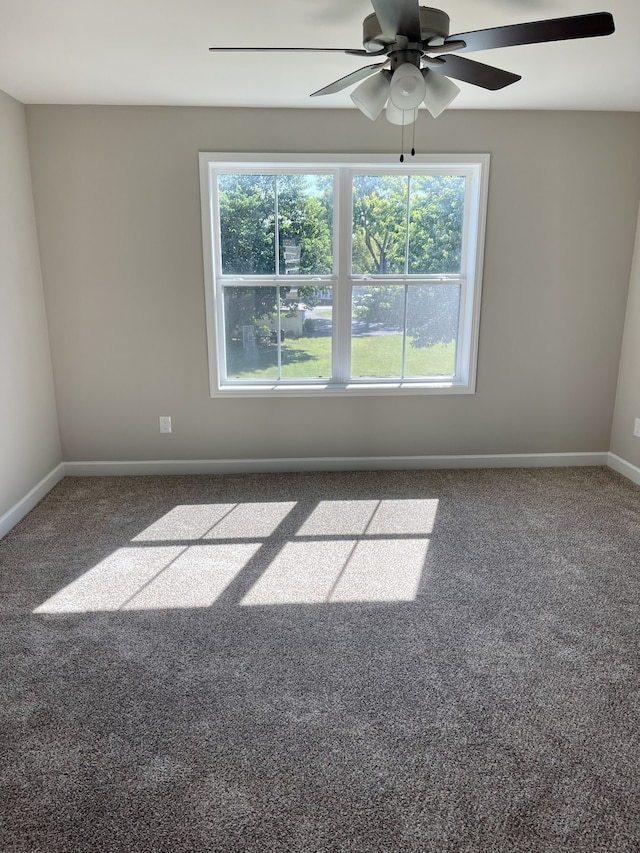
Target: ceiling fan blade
[398, 17]
[447, 47]
[470, 71]
[349, 79]
[355, 51]
[536, 32]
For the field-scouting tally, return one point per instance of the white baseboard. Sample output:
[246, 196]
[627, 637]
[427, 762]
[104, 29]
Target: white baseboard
[29, 501]
[631, 472]
[326, 463]
[331, 463]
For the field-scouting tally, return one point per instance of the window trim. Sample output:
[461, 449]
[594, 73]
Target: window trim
[344, 167]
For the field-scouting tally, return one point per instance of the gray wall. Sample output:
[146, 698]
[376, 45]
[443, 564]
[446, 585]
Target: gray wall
[29, 441]
[623, 441]
[118, 212]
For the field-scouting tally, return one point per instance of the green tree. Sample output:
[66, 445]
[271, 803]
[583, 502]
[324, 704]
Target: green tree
[436, 212]
[433, 312]
[247, 224]
[379, 224]
[305, 219]
[409, 225]
[401, 225]
[250, 229]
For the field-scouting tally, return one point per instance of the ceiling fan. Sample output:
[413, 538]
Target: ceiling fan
[420, 57]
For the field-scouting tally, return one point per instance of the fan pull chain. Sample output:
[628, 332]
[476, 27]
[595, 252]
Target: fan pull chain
[413, 138]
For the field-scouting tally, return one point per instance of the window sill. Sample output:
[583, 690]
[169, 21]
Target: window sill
[351, 389]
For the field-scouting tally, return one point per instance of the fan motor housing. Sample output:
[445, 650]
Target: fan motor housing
[433, 24]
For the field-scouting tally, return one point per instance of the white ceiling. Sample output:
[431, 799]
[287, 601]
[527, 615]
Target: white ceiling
[156, 52]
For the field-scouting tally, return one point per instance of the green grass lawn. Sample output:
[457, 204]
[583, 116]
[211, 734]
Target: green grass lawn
[377, 355]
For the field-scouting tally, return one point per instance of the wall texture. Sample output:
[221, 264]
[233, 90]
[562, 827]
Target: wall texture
[623, 441]
[118, 213]
[29, 441]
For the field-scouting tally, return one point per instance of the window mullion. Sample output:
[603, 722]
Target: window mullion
[278, 333]
[342, 295]
[404, 329]
[406, 272]
[276, 227]
[406, 232]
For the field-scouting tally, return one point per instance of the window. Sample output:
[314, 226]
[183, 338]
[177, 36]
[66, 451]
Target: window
[342, 275]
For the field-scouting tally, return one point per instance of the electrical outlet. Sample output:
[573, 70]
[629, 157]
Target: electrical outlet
[165, 423]
[636, 427]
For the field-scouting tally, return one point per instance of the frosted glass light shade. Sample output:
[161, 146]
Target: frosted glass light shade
[407, 87]
[440, 92]
[396, 116]
[371, 96]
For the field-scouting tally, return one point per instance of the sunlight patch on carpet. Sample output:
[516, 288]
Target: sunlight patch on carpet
[261, 553]
[153, 578]
[217, 521]
[344, 570]
[373, 517]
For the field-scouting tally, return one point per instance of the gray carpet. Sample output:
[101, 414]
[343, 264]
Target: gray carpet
[399, 661]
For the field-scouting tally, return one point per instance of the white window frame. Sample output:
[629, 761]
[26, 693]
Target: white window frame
[475, 167]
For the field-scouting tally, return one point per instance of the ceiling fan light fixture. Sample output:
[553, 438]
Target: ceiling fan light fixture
[440, 92]
[408, 87]
[407, 34]
[398, 116]
[371, 96]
